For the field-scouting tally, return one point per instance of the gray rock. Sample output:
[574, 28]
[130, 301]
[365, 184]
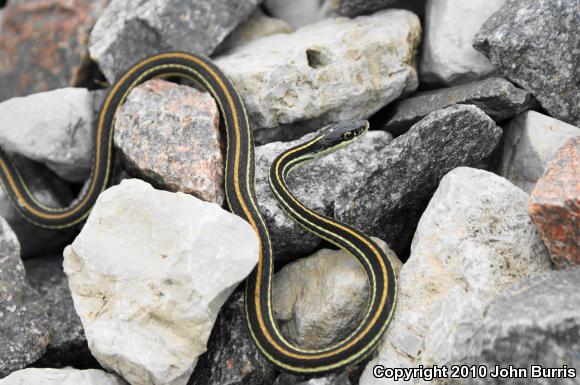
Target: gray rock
[340, 378]
[258, 25]
[531, 140]
[232, 357]
[536, 45]
[67, 376]
[318, 300]
[497, 97]
[53, 128]
[297, 13]
[333, 70]
[353, 8]
[388, 196]
[68, 344]
[131, 30]
[169, 135]
[474, 241]
[541, 317]
[25, 330]
[50, 191]
[316, 184]
[448, 57]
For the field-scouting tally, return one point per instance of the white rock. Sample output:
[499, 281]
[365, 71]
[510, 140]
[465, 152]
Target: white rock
[67, 376]
[319, 299]
[448, 56]
[298, 13]
[258, 25]
[148, 274]
[531, 140]
[474, 240]
[333, 70]
[53, 128]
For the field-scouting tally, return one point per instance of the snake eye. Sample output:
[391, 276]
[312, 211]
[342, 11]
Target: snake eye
[347, 135]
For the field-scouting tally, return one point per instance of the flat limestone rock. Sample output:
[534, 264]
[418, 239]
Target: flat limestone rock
[386, 198]
[148, 274]
[448, 57]
[474, 241]
[497, 97]
[130, 30]
[67, 376]
[536, 44]
[54, 128]
[332, 70]
[531, 141]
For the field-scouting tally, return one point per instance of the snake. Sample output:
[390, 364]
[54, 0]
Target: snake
[239, 186]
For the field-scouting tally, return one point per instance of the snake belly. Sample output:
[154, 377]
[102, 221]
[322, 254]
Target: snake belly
[240, 194]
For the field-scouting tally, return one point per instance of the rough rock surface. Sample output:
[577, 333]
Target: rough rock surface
[169, 134]
[386, 198]
[531, 140]
[340, 378]
[68, 344]
[232, 357]
[474, 240]
[148, 299]
[316, 184]
[555, 205]
[448, 56]
[23, 324]
[497, 97]
[353, 8]
[536, 45]
[66, 376]
[48, 190]
[320, 299]
[541, 316]
[297, 13]
[43, 45]
[301, 77]
[53, 128]
[258, 25]
[130, 30]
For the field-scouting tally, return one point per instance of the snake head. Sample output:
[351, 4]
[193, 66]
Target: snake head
[342, 133]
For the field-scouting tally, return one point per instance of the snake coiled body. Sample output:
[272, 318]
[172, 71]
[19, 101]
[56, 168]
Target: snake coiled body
[240, 194]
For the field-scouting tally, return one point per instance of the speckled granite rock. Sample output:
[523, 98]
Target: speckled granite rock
[68, 344]
[536, 44]
[316, 184]
[497, 97]
[148, 299]
[232, 357]
[531, 140]
[473, 242]
[541, 316]
[555, 205]
[294, 83]
[169, 135]
[66, 376]
[43, 45]
[320, 299]
[256, 26]
[53, 128]
[48, 190]
[340, 378]
[447, 55]
[386, 198]
[23, 324]
[130, 30]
